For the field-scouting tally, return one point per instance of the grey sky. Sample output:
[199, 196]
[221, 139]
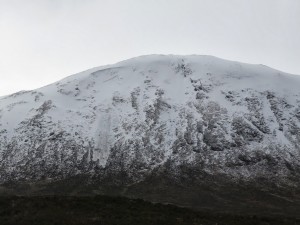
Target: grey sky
[42, 41]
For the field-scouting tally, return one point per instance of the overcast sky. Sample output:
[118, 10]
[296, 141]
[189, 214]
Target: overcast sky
[42, 41]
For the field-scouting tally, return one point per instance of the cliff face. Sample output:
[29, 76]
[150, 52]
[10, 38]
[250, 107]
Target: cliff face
[173, 121]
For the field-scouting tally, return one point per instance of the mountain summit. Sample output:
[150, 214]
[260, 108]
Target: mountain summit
[190, 130]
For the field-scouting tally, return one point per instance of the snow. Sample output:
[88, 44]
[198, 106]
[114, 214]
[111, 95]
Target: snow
[99, 100]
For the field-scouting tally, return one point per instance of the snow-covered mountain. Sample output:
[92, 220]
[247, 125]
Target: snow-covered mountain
[191, 120]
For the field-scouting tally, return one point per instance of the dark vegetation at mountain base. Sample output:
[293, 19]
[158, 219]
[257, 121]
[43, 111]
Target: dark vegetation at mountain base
[191, 188]
[107, 210]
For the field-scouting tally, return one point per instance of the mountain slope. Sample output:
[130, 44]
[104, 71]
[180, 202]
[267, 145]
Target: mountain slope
[95, 210]
[188, 121]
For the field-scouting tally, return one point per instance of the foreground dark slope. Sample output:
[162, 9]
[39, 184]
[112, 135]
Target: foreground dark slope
[195, 131]
[116, 211]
